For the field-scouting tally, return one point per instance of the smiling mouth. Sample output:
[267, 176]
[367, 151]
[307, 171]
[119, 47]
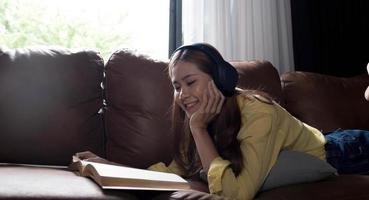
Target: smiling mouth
[188, 106]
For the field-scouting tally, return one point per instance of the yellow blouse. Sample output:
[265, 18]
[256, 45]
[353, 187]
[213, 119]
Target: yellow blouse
[266, 130]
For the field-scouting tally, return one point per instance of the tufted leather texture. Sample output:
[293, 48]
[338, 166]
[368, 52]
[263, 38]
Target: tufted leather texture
[259, 75]
[138, 97]
[327, 102]
[49, 103]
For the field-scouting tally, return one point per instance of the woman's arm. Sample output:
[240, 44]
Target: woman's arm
[205, 148]
[221, 178]
[211, 105]
[173, 167]
[89, 156]
[259, 152]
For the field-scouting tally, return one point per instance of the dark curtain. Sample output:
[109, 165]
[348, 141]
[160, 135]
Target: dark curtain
[175, 25]
[331, 36]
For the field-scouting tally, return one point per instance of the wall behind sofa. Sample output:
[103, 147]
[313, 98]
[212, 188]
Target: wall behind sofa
[331, 37]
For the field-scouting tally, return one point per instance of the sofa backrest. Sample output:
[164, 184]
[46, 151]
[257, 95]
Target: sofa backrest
[49, 103]
[52, 105]
[139, 97]
[137, 117]
[327, 102]
[260, 75]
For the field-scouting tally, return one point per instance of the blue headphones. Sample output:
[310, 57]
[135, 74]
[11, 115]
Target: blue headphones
[225, 76]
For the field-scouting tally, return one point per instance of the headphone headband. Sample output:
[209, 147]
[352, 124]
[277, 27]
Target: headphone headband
[225, 76]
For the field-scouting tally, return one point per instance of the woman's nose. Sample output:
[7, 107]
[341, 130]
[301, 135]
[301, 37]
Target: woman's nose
[183, 93]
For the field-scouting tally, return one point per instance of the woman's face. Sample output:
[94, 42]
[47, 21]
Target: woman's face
[189, 84]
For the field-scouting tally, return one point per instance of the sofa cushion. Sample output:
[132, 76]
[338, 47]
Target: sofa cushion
[137, 118]
[350, 187]
[327, 102]
[259, 75]
[32, 182]
[49, 103]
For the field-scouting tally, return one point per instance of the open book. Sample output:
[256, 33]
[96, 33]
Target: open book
[110, 176]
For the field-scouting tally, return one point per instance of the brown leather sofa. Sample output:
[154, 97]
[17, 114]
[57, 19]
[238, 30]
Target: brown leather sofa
[55, 102]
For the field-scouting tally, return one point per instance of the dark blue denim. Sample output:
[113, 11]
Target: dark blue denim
[348, 151]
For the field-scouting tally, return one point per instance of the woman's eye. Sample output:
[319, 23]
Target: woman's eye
[190, 82]
[176, 88]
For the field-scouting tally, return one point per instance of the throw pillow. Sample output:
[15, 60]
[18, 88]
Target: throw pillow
[294, 167]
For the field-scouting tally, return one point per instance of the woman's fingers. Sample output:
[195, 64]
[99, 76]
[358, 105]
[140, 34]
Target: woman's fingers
[211, 100]
[204, 103]
[98, 160]
[214, 100]
[85, 155]
[219, 99]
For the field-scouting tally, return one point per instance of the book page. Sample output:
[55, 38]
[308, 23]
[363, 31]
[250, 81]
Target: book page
[113, 171]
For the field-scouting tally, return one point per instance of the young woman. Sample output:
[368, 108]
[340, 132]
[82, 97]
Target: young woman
[234, 137]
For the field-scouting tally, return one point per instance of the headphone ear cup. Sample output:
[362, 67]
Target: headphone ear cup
[228, 78]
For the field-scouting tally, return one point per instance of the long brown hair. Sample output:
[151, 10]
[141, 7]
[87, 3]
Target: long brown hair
[223, 129]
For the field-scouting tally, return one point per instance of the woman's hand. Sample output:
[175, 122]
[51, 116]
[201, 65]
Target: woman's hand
[85, 156]
[212, 103]
[89, 156]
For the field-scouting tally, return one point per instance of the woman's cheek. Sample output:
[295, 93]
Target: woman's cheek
[200, 91]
